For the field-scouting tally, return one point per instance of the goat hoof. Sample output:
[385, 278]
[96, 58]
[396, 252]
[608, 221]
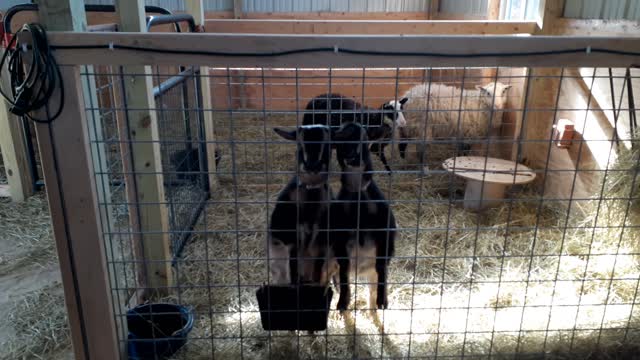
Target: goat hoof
[383, 304]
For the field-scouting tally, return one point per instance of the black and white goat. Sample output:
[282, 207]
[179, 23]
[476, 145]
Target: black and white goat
[363, 243]
[298, 241]
[334, 110]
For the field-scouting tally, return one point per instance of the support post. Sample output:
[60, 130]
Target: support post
[434, 8]
[543, 86]
[14, 152]
[143, 133]
[66, 153]
[196, 9]
[493, 9]
[493, 13]
[237, 9]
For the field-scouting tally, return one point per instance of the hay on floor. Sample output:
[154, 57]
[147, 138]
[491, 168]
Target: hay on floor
[39, 320]
[509, 280]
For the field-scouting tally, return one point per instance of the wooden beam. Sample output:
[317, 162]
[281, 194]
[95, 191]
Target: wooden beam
[66, 151]
[316, 15]
[493, 9]
[369, 27]
[67, 164]
[147, 163]
[196, 9]
[14, 152]
[493, 13]
[542, 89]
[237, 9]
[62, 15]
[434, 9]
[458, 45]
[586, 27]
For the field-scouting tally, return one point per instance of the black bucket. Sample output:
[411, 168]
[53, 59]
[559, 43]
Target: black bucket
[157, 331]
[294, 308]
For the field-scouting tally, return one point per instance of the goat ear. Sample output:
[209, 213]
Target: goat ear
[403, 101]
[289, 135]
[505, 88]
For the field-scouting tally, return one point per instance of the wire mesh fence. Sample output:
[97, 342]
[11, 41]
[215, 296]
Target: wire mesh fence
[513, 237]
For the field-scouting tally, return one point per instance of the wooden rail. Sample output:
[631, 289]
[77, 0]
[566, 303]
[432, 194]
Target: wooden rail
[388, 46]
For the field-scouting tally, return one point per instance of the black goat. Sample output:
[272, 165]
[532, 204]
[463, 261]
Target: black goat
[365, 225]
[334, 110]
[298, 240]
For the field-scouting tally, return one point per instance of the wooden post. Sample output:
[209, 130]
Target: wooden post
[493, 10]
[147, 165]
[543, 86]
[14, 152]
[196, 9]
[434, 8]
[237, 9]
[493, 13]
[67, 164]
[59, 16]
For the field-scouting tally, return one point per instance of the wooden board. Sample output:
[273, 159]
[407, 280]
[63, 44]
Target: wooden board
[68, 167]
[196, 9]
[458, 46]
[491, 170]
[14, 152]
[147, 163]
[341, 15]
[66, 164]
[368, 27]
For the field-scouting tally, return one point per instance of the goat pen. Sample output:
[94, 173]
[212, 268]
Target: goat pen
[553, 269]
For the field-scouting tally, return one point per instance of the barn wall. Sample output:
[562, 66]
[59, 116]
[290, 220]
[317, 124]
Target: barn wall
[593, 129]
[601, 9]
[243, 89]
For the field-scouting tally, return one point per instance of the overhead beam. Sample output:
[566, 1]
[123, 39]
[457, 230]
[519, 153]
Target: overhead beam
[66, 154]
[196, 9]
[457, 45]
[143, 133]
[585, 27]
[369, 27]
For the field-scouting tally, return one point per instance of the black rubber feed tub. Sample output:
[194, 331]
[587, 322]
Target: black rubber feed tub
[157, 331]
[289, 307]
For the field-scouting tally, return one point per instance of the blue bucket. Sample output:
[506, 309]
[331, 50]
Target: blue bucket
[157, 331]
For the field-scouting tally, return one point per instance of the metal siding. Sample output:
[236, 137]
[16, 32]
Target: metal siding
[601, 9]
[466, 7]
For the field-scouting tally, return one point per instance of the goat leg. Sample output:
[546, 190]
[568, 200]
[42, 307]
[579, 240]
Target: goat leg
[345, 292]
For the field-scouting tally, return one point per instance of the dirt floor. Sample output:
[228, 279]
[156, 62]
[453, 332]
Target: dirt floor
[32, 316]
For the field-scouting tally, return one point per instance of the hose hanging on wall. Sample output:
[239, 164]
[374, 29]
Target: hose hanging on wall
[33, 81]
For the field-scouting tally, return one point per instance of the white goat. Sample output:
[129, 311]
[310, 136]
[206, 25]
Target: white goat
[442, 112]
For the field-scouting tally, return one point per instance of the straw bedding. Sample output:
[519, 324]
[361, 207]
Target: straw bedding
[492, 275]
[489, 275]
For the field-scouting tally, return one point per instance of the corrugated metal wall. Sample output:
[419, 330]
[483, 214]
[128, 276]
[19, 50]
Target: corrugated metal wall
[464, 7]
[603, 9]
[519, 9]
